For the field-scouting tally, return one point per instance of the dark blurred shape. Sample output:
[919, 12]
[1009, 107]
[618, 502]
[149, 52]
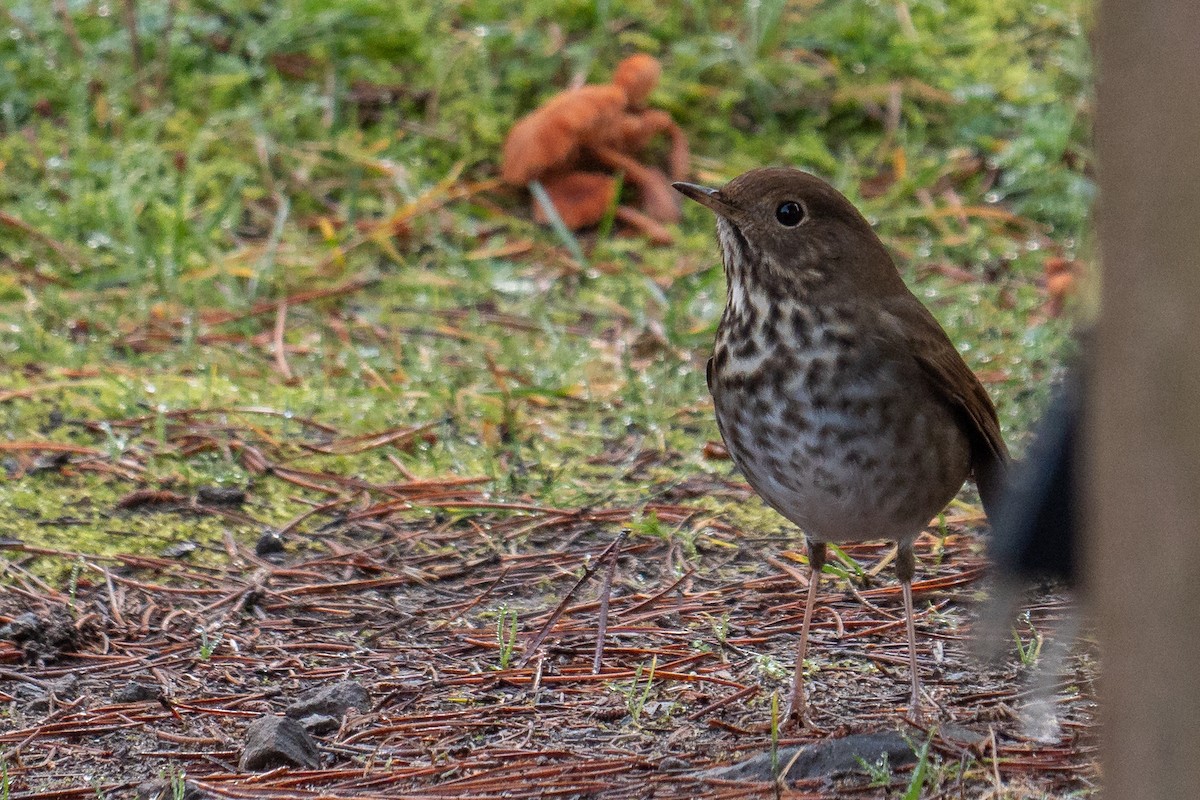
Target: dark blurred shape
[1035, 531]
[1036, 535]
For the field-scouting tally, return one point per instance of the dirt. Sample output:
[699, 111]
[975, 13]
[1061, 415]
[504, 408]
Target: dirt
[418, 612]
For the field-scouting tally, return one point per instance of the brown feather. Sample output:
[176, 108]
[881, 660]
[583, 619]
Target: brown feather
[953, 380]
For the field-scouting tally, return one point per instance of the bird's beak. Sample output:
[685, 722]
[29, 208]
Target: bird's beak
[706, 197]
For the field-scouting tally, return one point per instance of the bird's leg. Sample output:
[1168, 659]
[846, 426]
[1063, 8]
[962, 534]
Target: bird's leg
[906, 567]
[798, 710]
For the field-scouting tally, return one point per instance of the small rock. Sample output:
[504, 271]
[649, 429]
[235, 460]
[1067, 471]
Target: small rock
[67, 687]
[26, 626]
[136, 692]
[332, 701]
[960, 735]
[268, 544]
[28, 692]
[53, 692]
[221, 495]
[273, 741]
[43, 638]
[824, 758]
[319, 723]
[54, 421]
[180, 549]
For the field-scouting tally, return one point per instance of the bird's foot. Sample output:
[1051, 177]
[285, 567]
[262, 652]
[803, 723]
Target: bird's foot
[917, 712]
[796, 719]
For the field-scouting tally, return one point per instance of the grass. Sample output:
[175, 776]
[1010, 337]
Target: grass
[919, 774]
[506, 636]
[635, 696]
[241, 164]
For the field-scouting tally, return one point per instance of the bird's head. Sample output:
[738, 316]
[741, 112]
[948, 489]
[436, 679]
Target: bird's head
[791, 232]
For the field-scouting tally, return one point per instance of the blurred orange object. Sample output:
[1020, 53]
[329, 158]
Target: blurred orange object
[1062, 275]
[579, 139]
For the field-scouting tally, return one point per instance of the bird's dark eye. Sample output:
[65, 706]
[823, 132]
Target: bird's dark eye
[789, 213]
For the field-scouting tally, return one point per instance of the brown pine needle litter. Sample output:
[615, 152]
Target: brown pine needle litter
[431, 594]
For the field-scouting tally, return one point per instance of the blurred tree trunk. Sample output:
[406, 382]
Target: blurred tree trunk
[1144, 557]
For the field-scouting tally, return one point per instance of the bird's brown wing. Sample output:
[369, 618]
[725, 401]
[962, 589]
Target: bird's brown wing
[952, 379]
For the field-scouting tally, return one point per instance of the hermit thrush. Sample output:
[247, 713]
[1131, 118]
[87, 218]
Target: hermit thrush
[838, 395]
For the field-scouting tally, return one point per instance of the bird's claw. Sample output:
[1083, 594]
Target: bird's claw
[797, 719]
